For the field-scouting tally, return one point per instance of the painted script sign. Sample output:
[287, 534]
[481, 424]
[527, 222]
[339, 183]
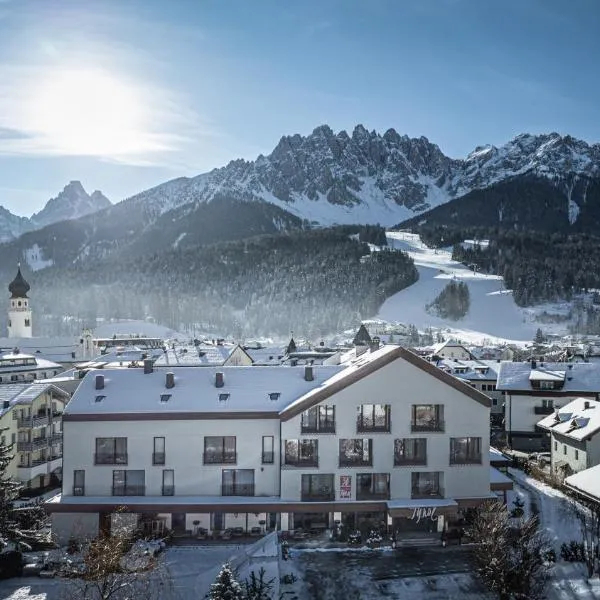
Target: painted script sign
[423, 512]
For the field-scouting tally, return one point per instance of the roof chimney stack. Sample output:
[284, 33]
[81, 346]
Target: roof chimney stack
[219, 379]
[308, 373]
[6, 404]
[586, 405]
[169, 381]
[148, 366]
[99, 382]
[533, 363]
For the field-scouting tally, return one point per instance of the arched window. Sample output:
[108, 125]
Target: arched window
[19, 303]
[27, 323]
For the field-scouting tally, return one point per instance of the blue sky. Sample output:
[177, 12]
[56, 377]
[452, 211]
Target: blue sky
[125, 94]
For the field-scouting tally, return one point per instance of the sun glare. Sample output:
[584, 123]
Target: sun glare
[90, 112]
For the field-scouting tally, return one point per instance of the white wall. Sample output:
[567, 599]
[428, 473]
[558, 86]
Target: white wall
[577, 458]
[401, 385]
[520, 415]
[184, 447]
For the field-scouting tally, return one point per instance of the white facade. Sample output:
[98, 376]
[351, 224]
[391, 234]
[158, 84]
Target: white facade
[19, 318]
[257, 480]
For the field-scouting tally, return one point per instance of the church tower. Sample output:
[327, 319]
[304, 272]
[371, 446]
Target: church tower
[19, 313]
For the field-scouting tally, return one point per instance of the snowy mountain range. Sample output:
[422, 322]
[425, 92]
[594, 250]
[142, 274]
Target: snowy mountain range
[367, 177]
[73, 202]
[324, 178]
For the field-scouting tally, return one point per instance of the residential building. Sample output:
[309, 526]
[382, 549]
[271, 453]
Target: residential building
[586, 484]
[451, 350]
[30, 419]
[534, 389]
[387, 440]
[17, 366]
[574, 433]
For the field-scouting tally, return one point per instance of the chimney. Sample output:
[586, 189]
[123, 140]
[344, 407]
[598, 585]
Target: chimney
[586, 405]
[374, 344]
[148, 366]
[533, 363]
[6, 404]
[169, 381]
[308, 373]
[99, 382]
[219, 379]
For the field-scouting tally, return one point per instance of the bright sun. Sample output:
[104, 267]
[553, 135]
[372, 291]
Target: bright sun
[90, 112]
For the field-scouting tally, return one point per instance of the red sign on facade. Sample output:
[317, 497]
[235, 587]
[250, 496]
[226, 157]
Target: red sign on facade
[345, 486]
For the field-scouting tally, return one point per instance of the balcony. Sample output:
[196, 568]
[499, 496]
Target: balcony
[56, 438]
[409, 461]
[362, 427]
[34, 421]
[433, 426]
[268, 458]
[129, 490]
[323, 428]
[323, 496]
[355, 461]
[465, 460]
[369, 495]
[220, 458]
[41, 466]
[422, 494]
[168, 490]
[237, 489]
[78, 490]
[543, 410]
[110, 459]
[158, 458]
[300, 461]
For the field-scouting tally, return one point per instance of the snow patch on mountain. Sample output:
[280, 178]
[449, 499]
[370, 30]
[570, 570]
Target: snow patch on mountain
[34, 257]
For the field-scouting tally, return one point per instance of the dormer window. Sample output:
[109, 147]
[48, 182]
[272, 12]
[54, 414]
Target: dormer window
[223, 397]
[165, 397]
[274, 396]
[100, 398]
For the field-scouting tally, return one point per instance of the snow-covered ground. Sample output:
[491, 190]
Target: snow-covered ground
[493, 316]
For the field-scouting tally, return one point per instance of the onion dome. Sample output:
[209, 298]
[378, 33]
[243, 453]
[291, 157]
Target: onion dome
[18, 287]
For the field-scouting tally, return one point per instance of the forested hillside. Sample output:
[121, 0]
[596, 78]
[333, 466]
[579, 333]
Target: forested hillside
[311, 282]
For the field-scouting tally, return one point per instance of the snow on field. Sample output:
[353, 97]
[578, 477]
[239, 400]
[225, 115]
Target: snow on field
[493, 315]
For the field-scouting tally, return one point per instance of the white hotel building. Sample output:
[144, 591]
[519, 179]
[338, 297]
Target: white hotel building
[364, 443]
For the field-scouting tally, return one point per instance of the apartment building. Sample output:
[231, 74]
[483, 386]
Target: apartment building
[386, 440]
[31, 420]
[534, 389]
[574, 436]
[16, 366]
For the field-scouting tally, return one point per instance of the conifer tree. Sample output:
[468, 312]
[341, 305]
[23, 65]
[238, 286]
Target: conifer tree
[226, 586]
[9, 490]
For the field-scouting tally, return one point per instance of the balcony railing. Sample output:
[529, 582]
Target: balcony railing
[423, 494]
[323, 428]
[220, 458]
[543, 410]
[78, 490]
[24, 446]
[38, 461]
[432, 426]
[368, 495]
[364, 427]
[57, 437]
[300, 461]
[465, 460]
[110, 459]
[237, 489]
[158, 458]
[355, 461]
[129, 490]
[33, 421]
[324, 496]
[407, 461]
[168, 490]
[268, 458]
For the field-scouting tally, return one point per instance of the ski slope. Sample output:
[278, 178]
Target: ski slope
[493, 315]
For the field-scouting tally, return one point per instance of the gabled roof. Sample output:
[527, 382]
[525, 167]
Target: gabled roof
[471, 370]
[586, 482]
[574, 420]
[25, 393]
[578, 377]
[362, 337]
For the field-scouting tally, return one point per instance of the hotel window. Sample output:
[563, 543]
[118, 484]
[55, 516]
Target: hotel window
[302, 453]
[317, 488]
[576, 454]
[129, 483]
[356, 453]
[220, 450]
[78, 482]
[111, 451]
[168, 482]
[427, 417]
[268, 450]
[427, 485]
[564, 449]
[158, 455]
[373, 418]
[465, 450]
[237, 482]
[318, 419]
[373, 486]
[410, 451]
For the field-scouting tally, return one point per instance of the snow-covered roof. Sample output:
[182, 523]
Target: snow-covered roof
[577, 419]
[25, 393]
[470, 370]
[496, 456]
[245, 389]
[586, 482]
[59, 349]
[578, 377]
[190, 355]
[499, 478]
